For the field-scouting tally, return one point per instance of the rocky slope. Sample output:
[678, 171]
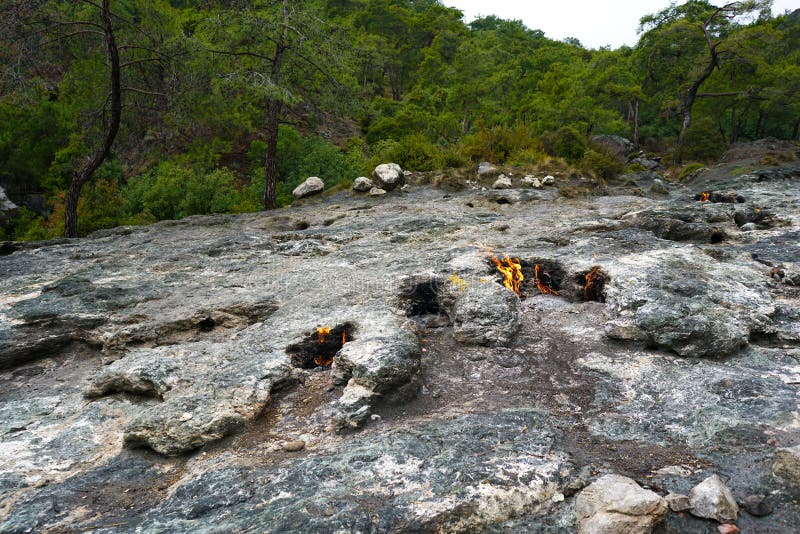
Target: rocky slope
[165, 378]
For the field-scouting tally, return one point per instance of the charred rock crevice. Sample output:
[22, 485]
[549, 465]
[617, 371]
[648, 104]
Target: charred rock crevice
[319, 347]
[420, 296]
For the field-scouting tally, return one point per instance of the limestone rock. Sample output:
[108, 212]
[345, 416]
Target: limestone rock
[362, 184]
[388, 176]
[615, 504]
[503, 182]
[678, 502]
[549, 180]
[787, 464]
[8, 210]
[485, 168]
[712, 499]
[486, 314]
[294, 446]
[617, 145]
[532, 181]
[312, 186]
[377, 192]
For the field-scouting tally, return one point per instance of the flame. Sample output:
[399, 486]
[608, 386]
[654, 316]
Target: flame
[544, 288]
[344, 337]
[591, 280]
[511, 271]
[705, 196]
[321, 333]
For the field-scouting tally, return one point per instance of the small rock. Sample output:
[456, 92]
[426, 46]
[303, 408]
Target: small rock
[675, 471]
[406, 188]
[678, 502]
[758, 505]
[362, 184]
[787, 464]
[549, 180]
[749, 227]
[186, 417]
[377, 192]
[616, 504]
[294, 446]
[388, 176]
[312, 186]
[728, 529]
[375, 417]
[485, 168]
[712, 499]
[503, 182]
[532, 181]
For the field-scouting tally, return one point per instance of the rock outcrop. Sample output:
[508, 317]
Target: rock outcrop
[163, 378]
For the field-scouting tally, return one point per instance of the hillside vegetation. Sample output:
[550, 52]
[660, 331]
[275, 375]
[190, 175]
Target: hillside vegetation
[134, 111]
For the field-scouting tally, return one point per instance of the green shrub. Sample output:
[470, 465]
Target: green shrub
[689, 170]
[702, 141]
[30, 227]
[413, 152]
[602, 163]
[566, 142]
[636, 167]
[498, 143]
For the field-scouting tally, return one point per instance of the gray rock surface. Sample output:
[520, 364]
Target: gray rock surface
[388, 176]
[615, 504]
[377, 192]
[312, 186]
[712, 499]
[451, 405]
[362, 184]
[619, 146]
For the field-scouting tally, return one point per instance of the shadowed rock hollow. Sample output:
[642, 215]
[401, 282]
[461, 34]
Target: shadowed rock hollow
[148, 384]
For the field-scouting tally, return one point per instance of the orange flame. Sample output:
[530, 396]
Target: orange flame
[591, 279]
[705, 196]
[544, 289]
[321, 333]
[344, 337]
[511, 271]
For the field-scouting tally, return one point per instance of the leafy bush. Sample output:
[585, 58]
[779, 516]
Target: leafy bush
[566, 142]
[702, 141]
[690, 169]
[413, 152]
[498, 143]
[172, 191]
[30, 227]
[602, 163]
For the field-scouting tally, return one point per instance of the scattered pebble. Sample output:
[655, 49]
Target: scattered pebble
[294, 446]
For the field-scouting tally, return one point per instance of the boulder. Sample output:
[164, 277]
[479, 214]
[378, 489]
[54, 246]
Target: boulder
[486, 168]
[388, 176]
[678, 502]
[787, 464]
[532, 181]
[549, 180]
[377, 192]
[503, 182]
[619, 146]
[486, 314]
[362, 184]
[312, 186]
[711, 499]
[615, 504]
[8, 210]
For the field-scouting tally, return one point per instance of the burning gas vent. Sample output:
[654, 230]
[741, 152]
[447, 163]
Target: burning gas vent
[320, 346]
[529, 277]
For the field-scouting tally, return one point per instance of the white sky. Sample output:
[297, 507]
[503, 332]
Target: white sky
[595, 23]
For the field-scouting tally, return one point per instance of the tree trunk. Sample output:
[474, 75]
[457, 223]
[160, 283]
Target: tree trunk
[111, 128]
[270, 165]
[795, 129]
[274, 108]
[691, 93]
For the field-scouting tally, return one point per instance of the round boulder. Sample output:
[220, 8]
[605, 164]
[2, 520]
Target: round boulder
[362, 184]
[312, 186]
[388, 176]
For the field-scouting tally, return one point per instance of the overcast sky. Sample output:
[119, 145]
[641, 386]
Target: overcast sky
[595, 23]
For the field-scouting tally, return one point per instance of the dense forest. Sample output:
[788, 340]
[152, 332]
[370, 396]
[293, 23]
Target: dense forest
[132, 111]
